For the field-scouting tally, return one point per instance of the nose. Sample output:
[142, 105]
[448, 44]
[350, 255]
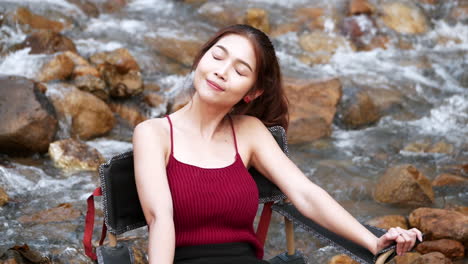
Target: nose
[221, 72]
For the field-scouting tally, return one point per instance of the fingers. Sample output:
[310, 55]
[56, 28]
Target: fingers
[405, 239]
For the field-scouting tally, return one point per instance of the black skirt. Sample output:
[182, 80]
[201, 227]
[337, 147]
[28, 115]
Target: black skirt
[225, 253]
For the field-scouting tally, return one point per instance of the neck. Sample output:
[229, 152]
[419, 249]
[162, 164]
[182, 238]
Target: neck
[203, 117]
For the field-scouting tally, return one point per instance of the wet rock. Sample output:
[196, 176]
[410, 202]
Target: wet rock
[120, 71]
[426, 147]
[385, 100]
[429, 2]
[460, 12]
[28, 118]
[441, 147]
[221, 14]
[75, 155]
[377, 42]
[404, 185]
[342, 259]
[361, 30]
[63, 212]
[450, 248]
[153, 99]
[284, 28]
[128, 112]
[258, 18]
[314, 107]
[30, 21]
[59, 68]
[182, 51]
[432, 258]
[321, 42]
[389, 221]
[23, 254]
[312, 17]
[404, 18]
[3, 197]
[88, 7]
[358, 110]
[446, 179]
[440, 223]
[112, 6]
[48, 42]
[407, 258]
[88, 115]
[357, 7]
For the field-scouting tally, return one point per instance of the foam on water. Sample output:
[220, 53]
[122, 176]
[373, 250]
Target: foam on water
[59, 5]
[109, 147]
[22, 63]
[106, 22]
[160, 7]
[87, 47]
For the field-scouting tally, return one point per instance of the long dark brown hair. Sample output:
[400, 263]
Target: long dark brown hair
[271, 107]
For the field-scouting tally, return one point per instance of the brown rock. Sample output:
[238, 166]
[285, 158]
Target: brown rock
[314, 107]
[316, 58]
[342, 259]
[357, 7]
[153, 99]
[389, 221]
[441, 147]
[426, 147]
[129, 113]
[112, 6]
[74, 155]
[88, 7]
[28, 118]
[407, 258]
[30, 21]
[360, 111]
[312, 17]
[89, 116]
[404, 18]
[440, 223]
[258, 18]
[221, 14]
[385, 99]
[320, 41]
[450, 248]
[92, 84]
[121, 59]
[183, 51]
[82, 66]
[47, 42]
[404, 184]
[63, 212]
[59, 68]
[429, 2]
[283, 29]
[460, 12]
[23, 254]
[432, 258]
[3, 197]
[445, 179]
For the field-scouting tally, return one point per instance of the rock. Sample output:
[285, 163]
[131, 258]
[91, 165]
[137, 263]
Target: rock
[284, 28]
[93, 85]
[432, 258]
[321, 43]
[23, 254]
[426, 147]
[258, 18]
[28, 118]
[112, 6]
[360, 29]
[407, 258]
[377, 42]
[63, 212]
[182, 51]
[385, 99]
[89, 116]
[441, 147]
[429, 2]
[221, 14]
[450, 248]
[59, 68]
[153, 99]
[389, 221]
[404, 18]
[342, 259]
[460, 12]
[120, 71]
[312, 17]
[445, 179]
[74, 155]
[47, 42]
[405, 185]
[30, 21]
[3, 197]
[358, 110]
[130, 113]
[440, 223]
[357, 7]
[314, 107]
[88, 7]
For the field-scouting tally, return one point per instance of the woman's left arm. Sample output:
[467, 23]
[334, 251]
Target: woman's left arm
[314, 202]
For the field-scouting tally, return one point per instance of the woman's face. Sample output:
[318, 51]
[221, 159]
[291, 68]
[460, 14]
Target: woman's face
[226, 72]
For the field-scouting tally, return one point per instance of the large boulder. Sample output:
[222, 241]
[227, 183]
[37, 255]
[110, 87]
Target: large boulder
[88, 7]
[357, 110]
[321, 46]
[432, 258]
[357, 7]
[258, 18]
[182, 51]
[3, 197]
[450, 248]
[407, 258]
[440, 223]
[342, 259]
[46, 41]
[63, 212]
[404, 18]
[28, 118]
[29, 21]
[74, 155]
[446, 179]
[59, 68]
[389, 221]
[404, 185]
[312, 108]
[88, 116]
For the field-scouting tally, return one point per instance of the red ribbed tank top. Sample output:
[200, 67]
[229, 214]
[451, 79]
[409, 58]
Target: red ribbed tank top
[213, 205]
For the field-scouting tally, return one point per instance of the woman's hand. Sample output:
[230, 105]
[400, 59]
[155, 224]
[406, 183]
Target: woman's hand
[405, 239]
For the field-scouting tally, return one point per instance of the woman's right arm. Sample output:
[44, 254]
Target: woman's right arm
[149, 148]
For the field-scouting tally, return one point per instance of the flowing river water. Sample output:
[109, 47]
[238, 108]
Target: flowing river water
[431, 77]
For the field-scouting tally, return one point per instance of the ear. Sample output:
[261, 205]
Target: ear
[256, 94]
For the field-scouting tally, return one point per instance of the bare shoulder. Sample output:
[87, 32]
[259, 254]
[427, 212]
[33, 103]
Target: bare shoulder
[153, 132]
[248, 124]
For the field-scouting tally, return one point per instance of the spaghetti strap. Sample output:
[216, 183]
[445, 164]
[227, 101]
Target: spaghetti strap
[233, 133]
[172, 140]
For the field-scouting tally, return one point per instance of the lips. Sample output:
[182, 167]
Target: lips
[215, 86]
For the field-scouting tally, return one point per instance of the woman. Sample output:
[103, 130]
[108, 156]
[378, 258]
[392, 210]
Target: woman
[191, 167]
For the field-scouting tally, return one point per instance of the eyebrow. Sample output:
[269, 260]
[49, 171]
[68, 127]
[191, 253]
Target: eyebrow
[241, 61]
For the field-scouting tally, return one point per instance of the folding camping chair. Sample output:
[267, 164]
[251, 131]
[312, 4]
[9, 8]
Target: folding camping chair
[122, 213]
